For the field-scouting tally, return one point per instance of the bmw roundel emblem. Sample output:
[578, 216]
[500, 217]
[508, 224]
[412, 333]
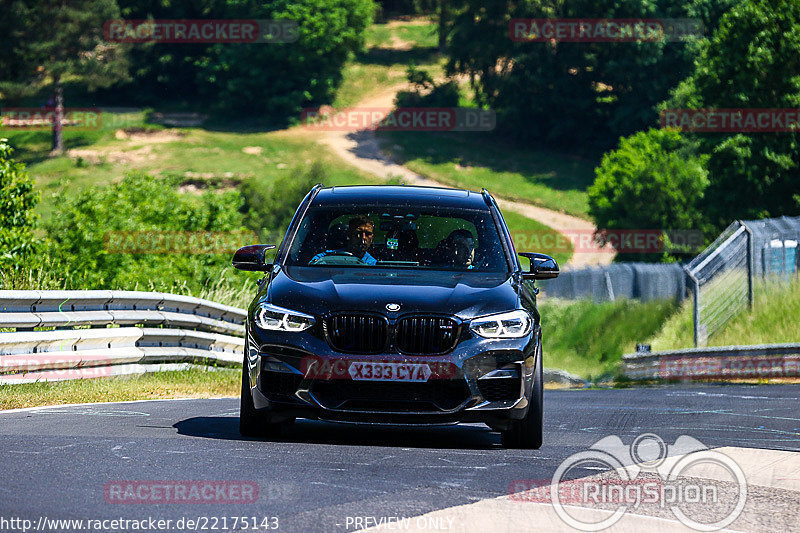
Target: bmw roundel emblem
[392, 307]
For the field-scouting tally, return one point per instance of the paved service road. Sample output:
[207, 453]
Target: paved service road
[63, 463]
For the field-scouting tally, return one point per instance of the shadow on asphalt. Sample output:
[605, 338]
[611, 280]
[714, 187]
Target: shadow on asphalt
[318, 432]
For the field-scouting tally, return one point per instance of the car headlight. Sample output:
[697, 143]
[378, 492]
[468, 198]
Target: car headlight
[510, 325]
[276, 318]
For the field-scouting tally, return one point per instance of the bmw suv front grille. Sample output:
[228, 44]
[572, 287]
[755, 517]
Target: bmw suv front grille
[421, 335]
[362, 334]
[371, 334]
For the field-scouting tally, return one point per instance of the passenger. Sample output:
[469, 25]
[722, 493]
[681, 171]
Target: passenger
[458, 249]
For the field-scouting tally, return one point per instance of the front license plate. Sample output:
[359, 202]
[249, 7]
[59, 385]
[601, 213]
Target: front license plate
[366, 371]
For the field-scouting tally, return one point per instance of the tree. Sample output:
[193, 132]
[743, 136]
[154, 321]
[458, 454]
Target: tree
[57, 39]
[653, 180]
[17, 200]
[580, 95]
[167, 71]
[275, 80]
[751, 61]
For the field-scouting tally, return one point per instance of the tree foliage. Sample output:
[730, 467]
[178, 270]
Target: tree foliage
[577, 95]
[269, 205]
[143, 229]
[653, 180]
[751, 61]
[17, 200]
[52, 40]
[275, 80]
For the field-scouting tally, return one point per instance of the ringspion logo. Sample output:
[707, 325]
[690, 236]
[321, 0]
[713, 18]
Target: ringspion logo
[646, 472]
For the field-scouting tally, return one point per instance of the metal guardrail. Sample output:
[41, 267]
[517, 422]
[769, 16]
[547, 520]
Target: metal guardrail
[716, 362]
[118, 332]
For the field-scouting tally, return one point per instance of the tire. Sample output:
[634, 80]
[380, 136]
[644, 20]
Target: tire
[251, 422]
[527, 432]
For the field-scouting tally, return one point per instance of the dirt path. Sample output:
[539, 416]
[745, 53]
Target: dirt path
[362, 149]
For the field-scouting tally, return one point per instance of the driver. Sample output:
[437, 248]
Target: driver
[360, 232]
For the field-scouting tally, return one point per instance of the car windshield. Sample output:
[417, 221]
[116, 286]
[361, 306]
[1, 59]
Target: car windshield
[415, 238]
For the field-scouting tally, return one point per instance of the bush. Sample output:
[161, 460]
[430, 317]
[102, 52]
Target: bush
[143, 233]
[17, 200]
[426, 93]
[269, 205]
[654, 180]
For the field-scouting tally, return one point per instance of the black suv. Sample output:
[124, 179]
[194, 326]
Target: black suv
[395, 305]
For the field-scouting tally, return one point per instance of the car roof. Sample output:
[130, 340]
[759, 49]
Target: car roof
[400, 195]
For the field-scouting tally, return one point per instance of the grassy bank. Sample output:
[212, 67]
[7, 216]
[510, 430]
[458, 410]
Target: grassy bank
[773, 319]
[588, 339]
[476, 159]
[203, 157]
[191, 383]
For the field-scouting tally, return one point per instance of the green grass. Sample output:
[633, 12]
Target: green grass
[420, 34]
[477, 159]
[774, 319]
[588, 339]
[191, 383]
[105, 158]
[519, 224]
[381, 66]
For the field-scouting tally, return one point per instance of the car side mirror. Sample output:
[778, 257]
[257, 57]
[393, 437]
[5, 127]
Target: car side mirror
[542, 266]
[252, 258]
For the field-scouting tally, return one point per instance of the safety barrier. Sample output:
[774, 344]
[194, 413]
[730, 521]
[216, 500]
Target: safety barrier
[103, 333]
[716, 363]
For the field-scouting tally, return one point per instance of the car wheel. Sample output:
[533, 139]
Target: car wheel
[251, 422]
[527, 432]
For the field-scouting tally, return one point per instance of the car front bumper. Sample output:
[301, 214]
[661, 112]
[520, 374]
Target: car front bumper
[481, 380]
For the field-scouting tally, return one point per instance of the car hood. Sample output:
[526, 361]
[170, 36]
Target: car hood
[321, 290]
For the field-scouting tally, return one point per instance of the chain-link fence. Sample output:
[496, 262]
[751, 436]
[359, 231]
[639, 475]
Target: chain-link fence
[644, 281]
[722, 277]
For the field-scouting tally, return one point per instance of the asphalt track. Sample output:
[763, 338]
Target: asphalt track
[56, 462]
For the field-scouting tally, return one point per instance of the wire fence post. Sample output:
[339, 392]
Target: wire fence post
[749, 263]
[695, 304]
